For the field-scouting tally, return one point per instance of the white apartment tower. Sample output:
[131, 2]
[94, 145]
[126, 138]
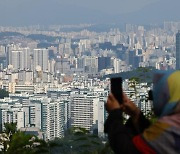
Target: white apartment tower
[53, 118]
[83, 110]
[19, 59]
[40, 59]
[101, 113]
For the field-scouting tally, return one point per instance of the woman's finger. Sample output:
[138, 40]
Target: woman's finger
[111, 97]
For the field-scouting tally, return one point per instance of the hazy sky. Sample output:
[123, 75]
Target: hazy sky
[112, 6]
[25, 12]
[106, 6]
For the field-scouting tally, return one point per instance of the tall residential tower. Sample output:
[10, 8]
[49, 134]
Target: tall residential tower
[41, 59]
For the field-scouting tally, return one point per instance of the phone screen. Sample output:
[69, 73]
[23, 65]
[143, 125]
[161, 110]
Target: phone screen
[116, 88]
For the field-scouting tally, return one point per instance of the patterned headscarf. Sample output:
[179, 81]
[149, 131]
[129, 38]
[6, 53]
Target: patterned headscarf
[164, 135]
[166, 92]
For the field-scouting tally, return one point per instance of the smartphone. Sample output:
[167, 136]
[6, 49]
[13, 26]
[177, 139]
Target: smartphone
[150, 95]
[116, 88]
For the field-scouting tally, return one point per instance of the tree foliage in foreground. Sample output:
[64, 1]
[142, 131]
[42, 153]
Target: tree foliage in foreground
[17, 142]
[75, 141]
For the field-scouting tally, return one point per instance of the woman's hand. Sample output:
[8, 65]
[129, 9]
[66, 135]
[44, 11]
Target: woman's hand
[129, 107]
[112, 103]
[126, 106]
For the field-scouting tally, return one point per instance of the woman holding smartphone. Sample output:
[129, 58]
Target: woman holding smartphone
[138, 135]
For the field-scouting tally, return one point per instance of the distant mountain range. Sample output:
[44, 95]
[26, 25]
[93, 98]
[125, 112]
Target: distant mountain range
[163, 10]
[53, 12]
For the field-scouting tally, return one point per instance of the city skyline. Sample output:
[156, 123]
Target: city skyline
[57, 79]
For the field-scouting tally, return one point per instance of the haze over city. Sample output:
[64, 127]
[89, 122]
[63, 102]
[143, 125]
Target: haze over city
[45, 12]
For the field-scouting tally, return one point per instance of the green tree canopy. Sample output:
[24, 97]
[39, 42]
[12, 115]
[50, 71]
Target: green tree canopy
[77, 141]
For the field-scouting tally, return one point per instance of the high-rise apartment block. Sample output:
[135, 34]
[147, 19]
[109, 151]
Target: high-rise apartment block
[84, 110]
[40, 57]
[19, 59]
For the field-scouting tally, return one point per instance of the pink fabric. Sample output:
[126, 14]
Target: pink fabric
[173, 120]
